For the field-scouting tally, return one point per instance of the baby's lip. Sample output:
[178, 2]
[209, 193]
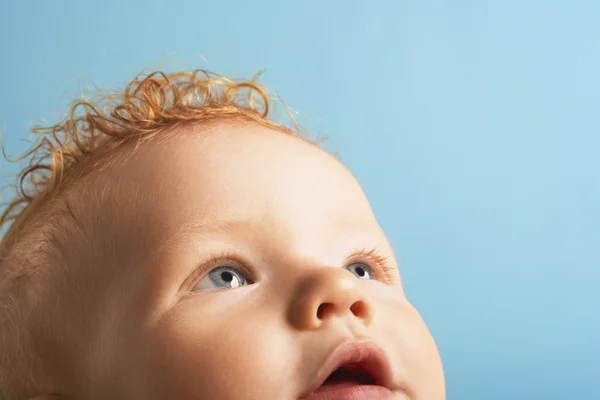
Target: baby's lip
[370, 357]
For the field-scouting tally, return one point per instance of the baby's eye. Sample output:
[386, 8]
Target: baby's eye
[361, 270]
[223, 277]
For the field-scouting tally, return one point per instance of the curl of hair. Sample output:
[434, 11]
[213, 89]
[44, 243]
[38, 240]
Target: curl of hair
[85, 141]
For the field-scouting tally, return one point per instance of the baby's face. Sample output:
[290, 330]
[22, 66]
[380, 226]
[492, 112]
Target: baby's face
[253, 268]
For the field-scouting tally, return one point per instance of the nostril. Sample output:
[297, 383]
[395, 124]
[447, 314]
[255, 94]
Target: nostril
[359, 309]
[324, 309]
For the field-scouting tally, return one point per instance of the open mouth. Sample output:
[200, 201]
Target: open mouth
[345, 376]
[359, 368]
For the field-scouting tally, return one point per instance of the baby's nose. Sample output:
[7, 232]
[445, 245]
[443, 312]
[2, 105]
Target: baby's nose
[326, 293]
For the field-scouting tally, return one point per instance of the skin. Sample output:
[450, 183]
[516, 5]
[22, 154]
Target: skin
[291, 220]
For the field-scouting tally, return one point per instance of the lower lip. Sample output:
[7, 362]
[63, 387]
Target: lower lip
[358, 392]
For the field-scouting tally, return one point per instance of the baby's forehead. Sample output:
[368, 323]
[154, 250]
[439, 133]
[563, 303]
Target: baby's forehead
[228, 158]
[229, 172]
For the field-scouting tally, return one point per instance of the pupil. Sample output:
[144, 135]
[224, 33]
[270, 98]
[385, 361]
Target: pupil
[360, 271]
[227, 276]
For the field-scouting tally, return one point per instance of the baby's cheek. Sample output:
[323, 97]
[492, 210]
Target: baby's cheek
[232, 354]
[412, 344]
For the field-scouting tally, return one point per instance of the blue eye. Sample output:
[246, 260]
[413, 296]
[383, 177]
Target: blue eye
[223, 277]
[361, 270]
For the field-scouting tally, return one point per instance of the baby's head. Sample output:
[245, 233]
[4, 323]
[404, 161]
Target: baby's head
[182, 245]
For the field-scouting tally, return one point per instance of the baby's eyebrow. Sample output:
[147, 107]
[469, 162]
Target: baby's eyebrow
[195, 225]
[199, 229]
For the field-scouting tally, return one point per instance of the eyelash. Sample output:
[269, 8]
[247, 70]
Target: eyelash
[214, 261]
[385, 273]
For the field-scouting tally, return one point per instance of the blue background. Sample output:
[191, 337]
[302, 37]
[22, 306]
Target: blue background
[474, 127]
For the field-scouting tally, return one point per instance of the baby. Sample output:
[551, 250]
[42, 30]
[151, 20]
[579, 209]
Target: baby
[178, 243]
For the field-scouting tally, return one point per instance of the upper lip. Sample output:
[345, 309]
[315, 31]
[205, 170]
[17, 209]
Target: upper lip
[367, 354]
